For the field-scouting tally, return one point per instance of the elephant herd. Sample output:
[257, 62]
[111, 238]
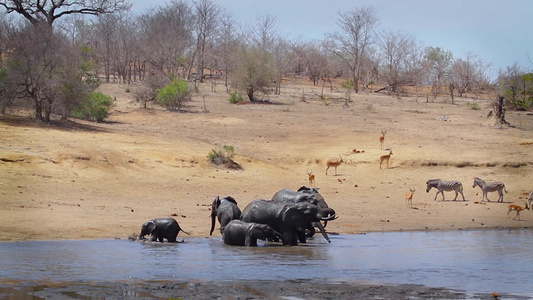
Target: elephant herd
[290, 217]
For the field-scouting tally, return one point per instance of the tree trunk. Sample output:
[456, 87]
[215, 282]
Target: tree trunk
[250, 93]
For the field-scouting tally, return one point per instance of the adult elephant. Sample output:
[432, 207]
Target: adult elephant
[305, 194]
[239, 233]
[160, 229]
[224, 210]
[289, 219]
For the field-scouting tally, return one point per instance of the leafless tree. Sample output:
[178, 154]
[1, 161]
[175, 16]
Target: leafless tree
[206, 22]
[255, 71]
[469, 74]
[105, 42]
[47, 69]
[40, 12]
[45, 66]
[315, 60]
[395, 49]
[227, 44]
[166, 38]
[356, 37]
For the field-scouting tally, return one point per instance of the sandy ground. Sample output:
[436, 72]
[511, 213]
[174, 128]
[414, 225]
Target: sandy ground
[88, 181]
[80, 180]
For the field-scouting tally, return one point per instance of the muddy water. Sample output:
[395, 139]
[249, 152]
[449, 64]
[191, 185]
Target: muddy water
[474, 261]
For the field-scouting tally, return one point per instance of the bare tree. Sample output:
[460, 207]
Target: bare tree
[226, 45]
[3, 37]
[206, 13]
[41, 54]
[356, 36]
[395, 50]
[469, 74]
[46, 67]
[40, 12]
[105, 42]
[166, 38]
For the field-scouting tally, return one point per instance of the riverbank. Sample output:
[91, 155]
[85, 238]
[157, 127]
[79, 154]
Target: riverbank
[81, 180]
[236, 290]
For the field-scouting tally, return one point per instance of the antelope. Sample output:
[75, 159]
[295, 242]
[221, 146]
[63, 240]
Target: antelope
[385, 158]
[516, 208]
[409, 197]
[311, 178]
[530, 199]
[327, 80]
[382, 139]
[334, 163]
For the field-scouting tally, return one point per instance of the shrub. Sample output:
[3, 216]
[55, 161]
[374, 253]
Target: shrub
[224, 157]
[235, 98]
[173, 95]
[473, 106]
[94, 107]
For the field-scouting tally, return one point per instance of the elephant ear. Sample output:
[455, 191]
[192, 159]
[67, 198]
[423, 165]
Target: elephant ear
[293, 215]
[231, 199]
[150, 227]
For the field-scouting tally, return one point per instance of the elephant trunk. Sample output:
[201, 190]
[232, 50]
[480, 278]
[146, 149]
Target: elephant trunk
[322, 230]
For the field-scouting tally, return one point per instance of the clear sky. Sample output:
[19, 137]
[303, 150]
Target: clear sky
[497, 31]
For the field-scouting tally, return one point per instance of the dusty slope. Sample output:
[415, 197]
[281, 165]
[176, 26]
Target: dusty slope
[90, 180]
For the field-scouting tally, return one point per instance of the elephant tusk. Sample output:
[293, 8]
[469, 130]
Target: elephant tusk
[330, 218]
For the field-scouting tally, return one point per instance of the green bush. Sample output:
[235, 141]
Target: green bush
[235, 98]
[473, 106]
[95, 107]
[173, 95]
[224, 157]
[226, 152]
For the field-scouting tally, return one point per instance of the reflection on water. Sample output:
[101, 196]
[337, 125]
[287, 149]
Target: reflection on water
[475, 261]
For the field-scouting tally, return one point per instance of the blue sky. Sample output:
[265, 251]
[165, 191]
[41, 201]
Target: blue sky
[499, 32]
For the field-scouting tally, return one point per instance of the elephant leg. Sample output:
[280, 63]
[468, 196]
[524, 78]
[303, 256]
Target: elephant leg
[250, 241]
[289, 236]
[301, 236]
[172, 238]
[311, 231]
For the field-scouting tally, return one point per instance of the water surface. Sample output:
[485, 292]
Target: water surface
[474, 261]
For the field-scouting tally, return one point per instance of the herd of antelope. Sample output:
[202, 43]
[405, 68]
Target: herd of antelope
[440, 185]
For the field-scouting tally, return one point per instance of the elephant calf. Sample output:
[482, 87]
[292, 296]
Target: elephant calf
[239, 233]
[225, 210]
[161, 228]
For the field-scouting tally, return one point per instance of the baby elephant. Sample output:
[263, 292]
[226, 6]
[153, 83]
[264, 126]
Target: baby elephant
[239, 233]
[161, 228]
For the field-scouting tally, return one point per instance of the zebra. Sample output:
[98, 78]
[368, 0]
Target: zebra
[490, 187]
[442, 186]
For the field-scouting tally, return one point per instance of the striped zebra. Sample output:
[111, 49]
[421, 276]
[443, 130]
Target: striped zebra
[490, 187]
[442, 186]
